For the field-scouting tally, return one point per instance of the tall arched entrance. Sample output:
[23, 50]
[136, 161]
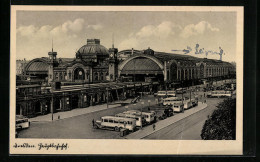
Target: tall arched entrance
[173, 72]
[142, 68]
[79, 74]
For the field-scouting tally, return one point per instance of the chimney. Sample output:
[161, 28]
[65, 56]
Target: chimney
[132, 51]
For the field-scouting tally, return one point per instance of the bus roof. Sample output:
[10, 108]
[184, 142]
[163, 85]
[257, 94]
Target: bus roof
[130, 115]
[20, 117]
[119, 118]
[169, 98]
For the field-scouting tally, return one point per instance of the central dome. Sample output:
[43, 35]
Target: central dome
[92, 50]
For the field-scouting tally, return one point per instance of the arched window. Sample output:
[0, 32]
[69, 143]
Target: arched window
[79, 74]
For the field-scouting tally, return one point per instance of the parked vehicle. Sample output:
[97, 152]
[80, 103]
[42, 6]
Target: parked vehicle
[115, 123]
[187, 104]
[140, 121]
[178, 107]
[219, 94]
[181, 90]
[148, 116]
[21, 122]
[172, 100]
[194, 102]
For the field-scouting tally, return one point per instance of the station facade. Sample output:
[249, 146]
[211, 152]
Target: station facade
[99, 75]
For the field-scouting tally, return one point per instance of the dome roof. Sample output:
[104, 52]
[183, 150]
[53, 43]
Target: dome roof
[93, 48]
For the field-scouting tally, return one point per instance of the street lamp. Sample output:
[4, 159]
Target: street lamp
[182, 91]
[142, 114]
[107, 97]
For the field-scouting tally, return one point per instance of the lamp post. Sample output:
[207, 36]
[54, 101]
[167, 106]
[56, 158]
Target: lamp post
[107, 97]
[142, 114]
[182, 92]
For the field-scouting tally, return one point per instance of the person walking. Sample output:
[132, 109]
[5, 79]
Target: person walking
[93, 122]
[153, 126]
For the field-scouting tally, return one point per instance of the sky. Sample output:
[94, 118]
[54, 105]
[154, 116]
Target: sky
[161, 31]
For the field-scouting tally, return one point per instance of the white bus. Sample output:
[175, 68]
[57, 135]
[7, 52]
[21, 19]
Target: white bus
[181, 90]
[148, 116]
[115, 123]
[219, 94]
[187, 104]
[178, 107]
[161, 93]
[139, 120]
[171, 100]
[21, 122]
[169, 93]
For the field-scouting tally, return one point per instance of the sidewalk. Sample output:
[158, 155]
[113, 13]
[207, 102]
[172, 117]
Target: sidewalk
[164, 123]
[82, 111]
[72, 113]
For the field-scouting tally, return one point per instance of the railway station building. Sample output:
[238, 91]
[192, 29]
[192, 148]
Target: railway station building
[97, 75]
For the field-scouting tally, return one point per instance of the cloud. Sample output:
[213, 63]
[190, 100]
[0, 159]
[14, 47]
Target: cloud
[35, 41]
[150, 34]
[196, 29]
[165, 29]
[73, 26]
[95, 27]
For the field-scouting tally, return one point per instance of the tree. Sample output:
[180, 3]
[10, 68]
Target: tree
[221, 125]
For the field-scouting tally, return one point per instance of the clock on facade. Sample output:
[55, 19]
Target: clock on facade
[111, 55]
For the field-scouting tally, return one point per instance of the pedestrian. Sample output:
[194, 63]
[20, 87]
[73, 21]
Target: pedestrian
[153, 126]
[204, 101]
[93, 122]
[149, 109]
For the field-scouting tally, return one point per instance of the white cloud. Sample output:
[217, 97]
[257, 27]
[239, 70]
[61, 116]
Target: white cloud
[196, 29]
[35, 41]
[165, 29]
[149, 35]
[95, 27]
[75, 26]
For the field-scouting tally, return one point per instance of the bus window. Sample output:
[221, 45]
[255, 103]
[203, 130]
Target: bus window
[115, 121]
[110, 121]
[105, 120]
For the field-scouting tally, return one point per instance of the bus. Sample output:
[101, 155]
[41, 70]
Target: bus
[139, 120]
[171, 100]
[116, 123]
[187, 104]
[21, 122]
[178, 107]
[169, 93]
[148, 116]
[219, 94]
[194, 102]
[161, 93]
[181, 90]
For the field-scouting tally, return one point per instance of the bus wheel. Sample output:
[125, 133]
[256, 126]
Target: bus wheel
[117, 129]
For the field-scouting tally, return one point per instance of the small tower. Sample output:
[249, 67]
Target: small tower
[52, 63]
[113, 63]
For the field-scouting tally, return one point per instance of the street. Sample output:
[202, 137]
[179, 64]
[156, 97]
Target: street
[80, 127]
